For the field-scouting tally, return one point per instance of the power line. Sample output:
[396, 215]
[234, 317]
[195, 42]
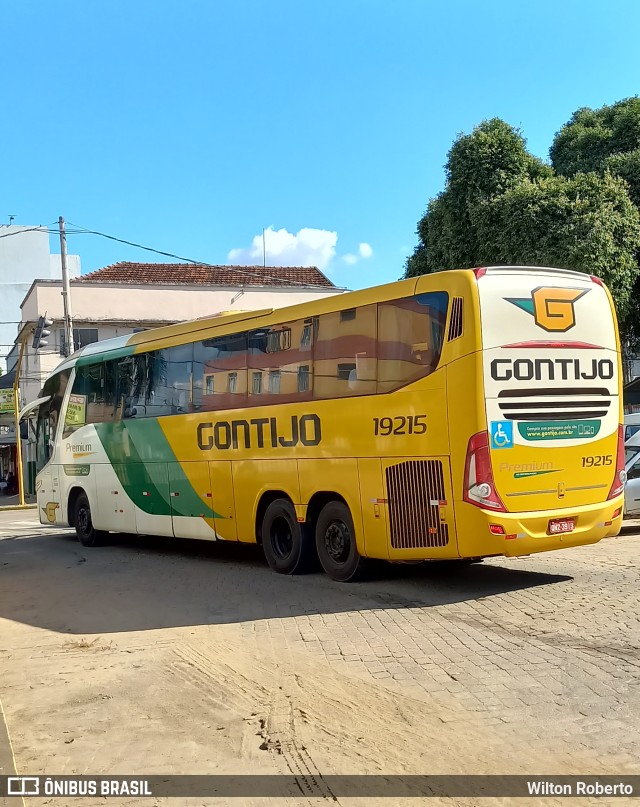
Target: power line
[246, 272]
[40, 228]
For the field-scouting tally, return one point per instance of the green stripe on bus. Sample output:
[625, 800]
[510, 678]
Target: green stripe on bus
[141, 458]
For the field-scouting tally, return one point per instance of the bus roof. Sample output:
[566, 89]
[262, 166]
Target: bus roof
[163, 336]
[188, 330]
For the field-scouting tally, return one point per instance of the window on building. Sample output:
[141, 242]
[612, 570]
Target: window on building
[345, 371]
[256, 383]
[81, 338]
[305, 338]
[274, 382]
[209, 384]
[303, 378]
[232, 382]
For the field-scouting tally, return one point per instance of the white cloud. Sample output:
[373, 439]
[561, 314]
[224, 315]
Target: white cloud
[365, 250]
[307, 247]
[350, 258]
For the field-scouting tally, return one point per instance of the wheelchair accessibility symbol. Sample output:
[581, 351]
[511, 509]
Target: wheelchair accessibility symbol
[501, 434]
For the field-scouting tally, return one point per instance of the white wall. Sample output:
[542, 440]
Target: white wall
[55, 266]
[24, 256]
[108, 302]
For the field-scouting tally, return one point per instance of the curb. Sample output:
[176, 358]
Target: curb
[7, 762]
[18, 507]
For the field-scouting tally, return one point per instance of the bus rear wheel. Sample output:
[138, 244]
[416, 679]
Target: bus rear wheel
[286, 542]
[336, 543]
[86, 532]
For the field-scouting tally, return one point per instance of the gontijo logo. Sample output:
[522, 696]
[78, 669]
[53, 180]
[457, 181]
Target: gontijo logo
[552, 308]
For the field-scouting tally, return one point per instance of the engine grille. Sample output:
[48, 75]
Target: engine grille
[551, 403]
[455, 322]
[415, 490]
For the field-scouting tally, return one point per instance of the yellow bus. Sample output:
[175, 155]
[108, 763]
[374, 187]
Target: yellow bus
[463, 414]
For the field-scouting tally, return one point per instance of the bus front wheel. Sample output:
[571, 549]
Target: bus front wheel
[286, 542]
[87, 534]
[336, 543]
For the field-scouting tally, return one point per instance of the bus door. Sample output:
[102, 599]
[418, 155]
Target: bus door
[190, 497]
[420, 508]
[153, 516]
[116, 511]
[48, 486]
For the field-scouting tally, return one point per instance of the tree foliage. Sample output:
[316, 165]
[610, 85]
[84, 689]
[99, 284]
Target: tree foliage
[503, 205]
[607, 141]
[490, 161]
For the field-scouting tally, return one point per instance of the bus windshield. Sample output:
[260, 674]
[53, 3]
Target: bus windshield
[48, 415]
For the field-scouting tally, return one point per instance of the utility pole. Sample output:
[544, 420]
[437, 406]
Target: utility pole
[66, 291]
[16, 404]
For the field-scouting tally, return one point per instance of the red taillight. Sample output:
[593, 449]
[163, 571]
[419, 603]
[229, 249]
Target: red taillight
[481, 271]
[479, 487]
[597, 280]
[496, 529]
[621, 475]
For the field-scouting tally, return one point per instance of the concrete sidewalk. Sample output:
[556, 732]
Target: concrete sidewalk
[13, 502]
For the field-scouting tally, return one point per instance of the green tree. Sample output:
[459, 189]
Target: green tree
[480, 166]
[607, 141]
[503, 205]
[587, 223]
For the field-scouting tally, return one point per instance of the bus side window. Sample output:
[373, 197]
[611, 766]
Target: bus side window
[345, 353]
[280, 363]
[87, 400]
[410, 336]
[155, 383]
[220, 373]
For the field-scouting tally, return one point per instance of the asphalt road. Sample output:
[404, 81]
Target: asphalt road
[154, 655]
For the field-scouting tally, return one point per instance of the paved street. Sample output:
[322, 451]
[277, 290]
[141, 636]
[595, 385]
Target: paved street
[157, 656]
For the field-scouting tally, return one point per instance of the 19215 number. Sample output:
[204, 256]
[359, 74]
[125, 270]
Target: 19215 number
[596, 461]
[409, 424]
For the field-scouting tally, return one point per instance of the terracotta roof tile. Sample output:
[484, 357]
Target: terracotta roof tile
[196, 274]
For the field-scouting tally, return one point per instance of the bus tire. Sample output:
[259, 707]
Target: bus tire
[287, 544]
[86, 532]
[336, 543]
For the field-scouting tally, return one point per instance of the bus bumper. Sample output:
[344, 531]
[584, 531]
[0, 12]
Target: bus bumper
[529, 532]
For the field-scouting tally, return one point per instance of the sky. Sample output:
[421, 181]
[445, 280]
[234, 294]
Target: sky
[190, 127]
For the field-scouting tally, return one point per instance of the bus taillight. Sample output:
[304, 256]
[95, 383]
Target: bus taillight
[479, 487]
[621, 475]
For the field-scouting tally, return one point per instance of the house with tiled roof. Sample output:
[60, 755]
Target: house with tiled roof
[126, 297]
[193, 274]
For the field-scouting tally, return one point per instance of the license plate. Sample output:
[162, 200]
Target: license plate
[561, 525]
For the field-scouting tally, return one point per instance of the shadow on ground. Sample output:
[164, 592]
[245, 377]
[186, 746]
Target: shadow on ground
[144, 583]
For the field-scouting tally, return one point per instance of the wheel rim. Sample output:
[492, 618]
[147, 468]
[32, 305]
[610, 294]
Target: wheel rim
[281, 538]
[337, 541]
[83, 521]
